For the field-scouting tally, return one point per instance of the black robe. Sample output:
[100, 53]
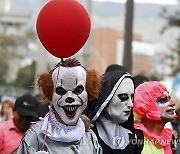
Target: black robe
[109, 81]
[130, 149]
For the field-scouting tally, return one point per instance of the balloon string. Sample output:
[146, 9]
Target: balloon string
[50, 110]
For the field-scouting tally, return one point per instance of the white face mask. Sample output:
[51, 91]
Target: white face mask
[70, 96]
[122, 101]
[166, 107]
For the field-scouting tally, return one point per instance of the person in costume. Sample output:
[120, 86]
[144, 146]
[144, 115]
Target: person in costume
[112, 115]
[115, 67]
[68, 86]
[153, 108]
[138, 79]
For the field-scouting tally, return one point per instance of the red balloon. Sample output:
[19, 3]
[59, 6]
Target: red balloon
[63, 27]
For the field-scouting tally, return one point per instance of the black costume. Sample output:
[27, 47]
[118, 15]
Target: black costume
[97, 108]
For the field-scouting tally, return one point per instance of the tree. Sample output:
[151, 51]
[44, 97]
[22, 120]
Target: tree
[8, 46]
[25, 76]
[10, 49]
[127, 58]
[173, 20]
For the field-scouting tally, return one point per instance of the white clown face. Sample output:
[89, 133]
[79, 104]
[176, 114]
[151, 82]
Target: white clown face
[70, 96]
[122, 102]
[166, 107]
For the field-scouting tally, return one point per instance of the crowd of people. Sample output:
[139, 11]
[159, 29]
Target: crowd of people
[80, 111]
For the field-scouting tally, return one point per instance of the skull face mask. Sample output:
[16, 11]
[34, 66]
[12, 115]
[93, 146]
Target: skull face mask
[70, 96]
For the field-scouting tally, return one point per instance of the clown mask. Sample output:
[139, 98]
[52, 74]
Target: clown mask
[70, 96]
[166, 107]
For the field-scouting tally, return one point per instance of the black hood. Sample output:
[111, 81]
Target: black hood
[110, 83]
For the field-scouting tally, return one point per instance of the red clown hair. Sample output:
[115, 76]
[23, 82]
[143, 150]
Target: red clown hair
[45, 83]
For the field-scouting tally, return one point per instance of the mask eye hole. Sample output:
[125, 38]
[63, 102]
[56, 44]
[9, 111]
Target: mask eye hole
[78, 90]
[123, 97]
[163, 100]
[60, 91]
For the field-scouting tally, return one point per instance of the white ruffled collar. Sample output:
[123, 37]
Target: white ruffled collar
[57, 125]
[61, 132]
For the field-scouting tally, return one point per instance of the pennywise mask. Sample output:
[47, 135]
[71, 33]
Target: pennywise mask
[122, 101]
[70, 96]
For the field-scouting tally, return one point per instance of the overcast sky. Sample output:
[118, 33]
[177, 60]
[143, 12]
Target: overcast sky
[147, 1]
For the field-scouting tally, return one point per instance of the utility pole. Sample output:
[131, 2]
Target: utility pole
[128, 36]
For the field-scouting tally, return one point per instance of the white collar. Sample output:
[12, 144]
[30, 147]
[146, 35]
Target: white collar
[113, 134]
[60, 132]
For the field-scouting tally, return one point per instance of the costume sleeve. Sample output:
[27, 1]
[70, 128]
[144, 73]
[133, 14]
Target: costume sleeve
[25, 148]
[29, 144]
[96, 145]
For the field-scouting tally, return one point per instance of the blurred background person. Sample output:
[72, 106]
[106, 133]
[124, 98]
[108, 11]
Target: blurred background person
[43, 105]
[12, 131]
[40, 98]
[176, 123]
[6, 110]
[115, 67]
[138, 79]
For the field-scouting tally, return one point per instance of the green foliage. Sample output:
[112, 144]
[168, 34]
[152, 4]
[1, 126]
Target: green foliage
[25, 76]
[176, 51]
[154, 77]
[8, 46]
[173, 20]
